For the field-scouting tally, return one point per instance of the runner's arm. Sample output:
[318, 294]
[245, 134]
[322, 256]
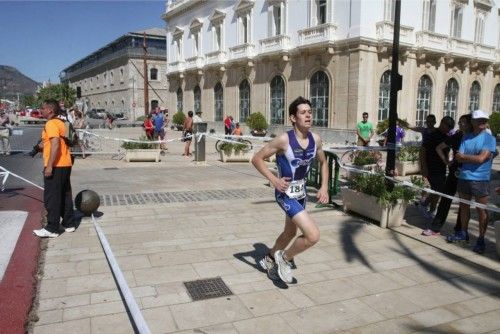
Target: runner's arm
[322, 194]
[277, 145]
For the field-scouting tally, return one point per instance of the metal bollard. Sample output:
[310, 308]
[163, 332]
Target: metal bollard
[199, 145]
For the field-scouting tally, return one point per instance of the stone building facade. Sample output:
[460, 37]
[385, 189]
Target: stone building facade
[236, 57]
[112, 78]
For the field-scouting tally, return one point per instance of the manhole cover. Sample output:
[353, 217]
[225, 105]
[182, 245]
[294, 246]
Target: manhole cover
[207, 288]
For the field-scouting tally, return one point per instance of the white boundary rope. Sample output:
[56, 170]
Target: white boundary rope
[135, 312]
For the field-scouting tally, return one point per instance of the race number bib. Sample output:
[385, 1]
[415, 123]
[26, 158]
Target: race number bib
[296, 189]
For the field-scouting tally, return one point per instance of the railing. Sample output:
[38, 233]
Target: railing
[274, 44]
[195, 62]
[460, 46]
[215, 58]
[314, 175]
[431, 40]
[484, 51]
[176, 66]
[385, 31]
[242, 51]
[323, 33]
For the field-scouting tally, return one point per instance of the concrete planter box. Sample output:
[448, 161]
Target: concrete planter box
[366, 205]
[407, 167]
[236, 157]
[142, 155]
[351, 175]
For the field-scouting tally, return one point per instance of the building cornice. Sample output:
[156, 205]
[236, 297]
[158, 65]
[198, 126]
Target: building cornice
[178, 7]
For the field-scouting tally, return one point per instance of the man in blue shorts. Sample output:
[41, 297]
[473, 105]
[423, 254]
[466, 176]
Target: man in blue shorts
[294, 151]
[476, 155]
[159, 130]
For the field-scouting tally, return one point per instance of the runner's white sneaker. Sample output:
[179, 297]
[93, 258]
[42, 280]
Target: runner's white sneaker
[43, 233]
[268, 265]
[284, 268]
[69, 229]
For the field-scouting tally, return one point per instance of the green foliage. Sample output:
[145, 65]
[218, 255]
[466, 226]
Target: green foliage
[361, 158]
[228, 148]
[495, 123]
[256, 121]
[57, 92]
[375, 185]
[140, 118]
[383, 125]
[408, 153]
[178, 118]
[29, 100]
[130, 145]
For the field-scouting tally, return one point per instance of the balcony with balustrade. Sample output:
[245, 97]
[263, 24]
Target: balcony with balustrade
[242, 52]
[275, 45]
[176, 67]
[320, 35]
[427, 41]
[385, 33]
[215, 58]
[194, 63]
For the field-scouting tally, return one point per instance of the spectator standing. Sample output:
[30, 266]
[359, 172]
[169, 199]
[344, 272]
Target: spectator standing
[400, 134]
[148, 127]
[80, 124]
[4, 133]
[197, 117]
[476, 155]
[227, 125]
[364, 130]
[237, 130]
[433, 167]
[159, 130]
[450, 187]
[187, 133]
[430, 126]
[57, 163]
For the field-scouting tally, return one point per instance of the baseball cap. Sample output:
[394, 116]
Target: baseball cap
[479, 114]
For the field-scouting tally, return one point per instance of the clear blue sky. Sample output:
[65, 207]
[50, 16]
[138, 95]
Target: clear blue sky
[41, 38]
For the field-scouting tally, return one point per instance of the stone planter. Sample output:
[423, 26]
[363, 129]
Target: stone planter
[258, 133]
[351, 175]
[241, 156]
[407, 167]
[366, 205]
[142, 155]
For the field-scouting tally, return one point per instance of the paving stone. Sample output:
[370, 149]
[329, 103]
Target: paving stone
[266, 324]
[113, 323]
[63, 302]
[92, 310]
[209, 312]
[266, 302]
[81, 326]
[391, 304]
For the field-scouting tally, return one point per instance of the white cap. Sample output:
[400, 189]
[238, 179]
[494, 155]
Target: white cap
[478, 114]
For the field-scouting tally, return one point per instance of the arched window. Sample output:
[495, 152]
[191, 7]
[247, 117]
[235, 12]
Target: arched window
[153, 74]
[496, 99]
[450, 99]
[319, 98]
[197, 98]
[475, 93]
[180, 97]
[244, 100]
[424, 95]
[219, 102]
[277, 100]
[384, 93]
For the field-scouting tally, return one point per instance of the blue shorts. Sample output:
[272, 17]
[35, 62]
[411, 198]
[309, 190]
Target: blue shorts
[289, 205]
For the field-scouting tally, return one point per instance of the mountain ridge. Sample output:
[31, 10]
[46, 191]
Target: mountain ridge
[12, 82]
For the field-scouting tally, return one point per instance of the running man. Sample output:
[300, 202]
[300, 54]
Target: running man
[294, 151]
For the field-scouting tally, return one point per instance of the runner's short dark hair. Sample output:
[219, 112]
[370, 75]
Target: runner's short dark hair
[292, 109]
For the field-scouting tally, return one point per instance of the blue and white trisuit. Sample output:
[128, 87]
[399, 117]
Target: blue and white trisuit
[294, 163]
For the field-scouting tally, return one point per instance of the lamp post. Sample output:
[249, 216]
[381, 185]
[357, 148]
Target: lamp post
[146, 84]
[133, 98]
[396, 84]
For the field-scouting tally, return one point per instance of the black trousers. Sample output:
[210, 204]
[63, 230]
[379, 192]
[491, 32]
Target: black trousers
[58, 199]
[450, 188]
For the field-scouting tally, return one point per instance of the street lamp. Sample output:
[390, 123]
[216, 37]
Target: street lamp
[133, 97]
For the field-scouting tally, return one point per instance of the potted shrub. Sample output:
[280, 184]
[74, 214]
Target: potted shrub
[407, 160]
[178, 120]
[369, 197]
[365, 160]
[235, 152]
[141, 151]
[257, 123]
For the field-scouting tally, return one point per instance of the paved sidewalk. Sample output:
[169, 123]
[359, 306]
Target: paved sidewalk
[358, 279]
